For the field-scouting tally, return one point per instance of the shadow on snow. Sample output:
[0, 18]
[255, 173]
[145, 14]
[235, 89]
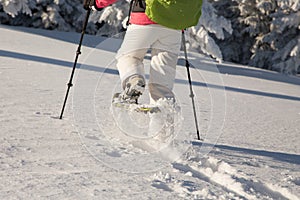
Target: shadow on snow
[63, 63]
[283, 157]
[92, 41]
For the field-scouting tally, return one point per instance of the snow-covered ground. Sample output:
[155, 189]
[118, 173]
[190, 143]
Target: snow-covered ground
[249, 120]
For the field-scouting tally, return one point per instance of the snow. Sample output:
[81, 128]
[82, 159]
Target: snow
[249, 120]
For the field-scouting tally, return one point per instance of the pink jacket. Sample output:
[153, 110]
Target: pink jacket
[135, 18]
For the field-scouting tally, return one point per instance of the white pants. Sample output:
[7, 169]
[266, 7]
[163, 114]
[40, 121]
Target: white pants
[165, 46]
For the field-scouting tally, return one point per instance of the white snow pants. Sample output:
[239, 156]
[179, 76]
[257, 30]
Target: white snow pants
[165, 46]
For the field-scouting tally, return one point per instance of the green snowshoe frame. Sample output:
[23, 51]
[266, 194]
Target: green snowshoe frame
[175, 14]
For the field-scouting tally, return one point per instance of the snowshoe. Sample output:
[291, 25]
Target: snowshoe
[132, 105]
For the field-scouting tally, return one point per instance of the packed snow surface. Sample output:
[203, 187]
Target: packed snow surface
[249, 121]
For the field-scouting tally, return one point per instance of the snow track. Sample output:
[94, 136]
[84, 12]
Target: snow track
[208, 177]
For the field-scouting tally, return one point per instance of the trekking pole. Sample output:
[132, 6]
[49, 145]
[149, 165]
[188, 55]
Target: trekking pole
[187, 64]
[78, 52]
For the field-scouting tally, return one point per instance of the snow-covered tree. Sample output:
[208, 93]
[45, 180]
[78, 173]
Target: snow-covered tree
[13, 7]
[64, 15]
[112, 19]
[210, 26]
[265, 33]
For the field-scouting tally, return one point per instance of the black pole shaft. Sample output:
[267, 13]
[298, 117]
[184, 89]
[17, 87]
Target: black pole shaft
[78, 52]
[129, 12]
[187, 64]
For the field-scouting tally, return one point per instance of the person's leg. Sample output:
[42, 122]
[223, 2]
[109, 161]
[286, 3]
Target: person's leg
[131, 64]
[137, 41]
[163, 64]
[162, 74]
